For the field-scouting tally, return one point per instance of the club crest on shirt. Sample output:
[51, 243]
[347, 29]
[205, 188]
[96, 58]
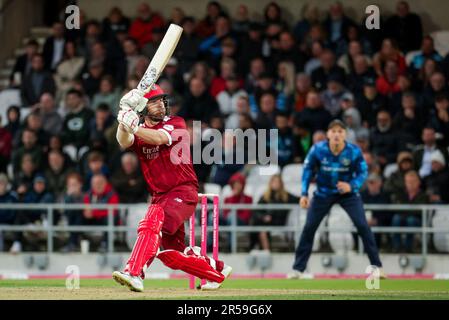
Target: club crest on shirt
[345, 161]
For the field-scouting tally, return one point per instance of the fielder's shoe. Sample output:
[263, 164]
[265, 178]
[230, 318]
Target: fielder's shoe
[382, 274]
[227, 270]
[295, 274]
[125, 279]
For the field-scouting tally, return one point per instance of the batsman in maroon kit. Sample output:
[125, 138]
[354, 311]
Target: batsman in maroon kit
[173, 185]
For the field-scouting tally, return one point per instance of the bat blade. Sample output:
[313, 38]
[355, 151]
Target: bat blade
[160, 58]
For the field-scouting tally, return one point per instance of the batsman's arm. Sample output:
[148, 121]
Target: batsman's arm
[124, 138]
[153, 136]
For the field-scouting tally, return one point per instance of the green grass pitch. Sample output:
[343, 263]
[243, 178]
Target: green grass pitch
[233, 289]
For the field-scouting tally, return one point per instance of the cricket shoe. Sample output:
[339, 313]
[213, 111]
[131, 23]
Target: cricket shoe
[125, 279]
[210, 285]
[295, 274]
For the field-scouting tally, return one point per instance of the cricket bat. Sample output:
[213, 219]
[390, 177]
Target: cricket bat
[160, 58]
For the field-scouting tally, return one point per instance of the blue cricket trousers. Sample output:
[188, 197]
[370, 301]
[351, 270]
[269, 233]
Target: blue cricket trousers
[319, 207]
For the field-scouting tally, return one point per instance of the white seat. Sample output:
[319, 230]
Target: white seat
[213, 188]
[258, 193]
[226, 191]
[340, 241]
[292, 172]
[293, 187]
[441, 41]
[441, 239]
[264, 170]
[390, 169]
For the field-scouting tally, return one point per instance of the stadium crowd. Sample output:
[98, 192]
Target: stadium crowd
[229, 72]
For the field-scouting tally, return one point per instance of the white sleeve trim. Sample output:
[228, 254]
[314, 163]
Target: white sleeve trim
[168, 136]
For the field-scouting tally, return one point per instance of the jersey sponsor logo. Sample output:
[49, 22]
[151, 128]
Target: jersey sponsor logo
[334, 169]
[178, 200]
[168, 127]
[345, 161]
[151, 153]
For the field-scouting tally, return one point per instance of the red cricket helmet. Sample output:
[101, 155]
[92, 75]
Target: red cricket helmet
[155, 93]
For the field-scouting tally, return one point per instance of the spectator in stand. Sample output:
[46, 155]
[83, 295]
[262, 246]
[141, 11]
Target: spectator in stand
[374, 194]
[177, 15]
[303, 86]
[91, 79]
[23, 63]
[389, 52]
[37, 194]
[103, 122]
[409, 121]
[437, 182]
[337, 24]
[108, 94]
[356, 39]
[347, 60]
[173, 75]
[206, 26]
[75, 129]
[13, 120]
[7, 216]
[91, 45]
[241, 22]
[394, 184]
[202, 71]
[332, 96]
[150, 48]
[273, 15]
[314, 61]
[360, 72]
[352, 118]
[302, 140]
[285, 139]
[412, 194]
[227, 99]
[256, 69]
[100, 192]
[314, 115]
[95, 165]
[383, 139]
[128, 63]
[23, 180]
[437, 86]
[265, 83]
[320, 75]
[275, 193]
[285, 85]
[421, 77]
[405, 27]
[243, 216]
[439, 117]
[31, 147]
[56, 174]
[198, 104]
[36, 82]
[114, 23]
[128, 182]
[68, 69]
[370, 102]
[141, 28]
[266, 117]
[50, 118]
[73, 194]
[289, 51]
[310, 16]
[422, 154]
[210, 48]
[187, 50]
[241, 108]
[53, 50]
[427, 52]
[5, 147]
[388, 83]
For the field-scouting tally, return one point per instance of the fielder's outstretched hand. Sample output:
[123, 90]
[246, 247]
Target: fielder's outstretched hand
[129, 119]
[133, 100]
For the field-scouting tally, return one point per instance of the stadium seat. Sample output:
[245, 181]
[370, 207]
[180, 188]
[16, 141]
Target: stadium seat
[226, 191]
[292, 173]
[293, 187]
[441, 239]
[340, 241]
[263, 172]
[212, 188]
[390, 169]
[441, 40]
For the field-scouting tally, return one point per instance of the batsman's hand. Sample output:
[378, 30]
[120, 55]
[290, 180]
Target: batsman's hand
[304, 202]
[129, 119]
[133, 100]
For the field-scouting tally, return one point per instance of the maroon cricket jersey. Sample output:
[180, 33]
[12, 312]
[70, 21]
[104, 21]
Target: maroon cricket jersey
[166, 166]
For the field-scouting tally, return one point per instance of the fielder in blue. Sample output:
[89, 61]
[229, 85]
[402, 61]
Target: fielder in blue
[340, 171]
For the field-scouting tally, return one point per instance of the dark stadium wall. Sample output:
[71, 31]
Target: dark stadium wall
[432, 15]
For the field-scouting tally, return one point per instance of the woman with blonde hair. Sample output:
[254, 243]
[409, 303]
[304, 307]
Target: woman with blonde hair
[275, 193]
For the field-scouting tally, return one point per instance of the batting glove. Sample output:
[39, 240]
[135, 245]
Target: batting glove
[133, 100]
[129, 119]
